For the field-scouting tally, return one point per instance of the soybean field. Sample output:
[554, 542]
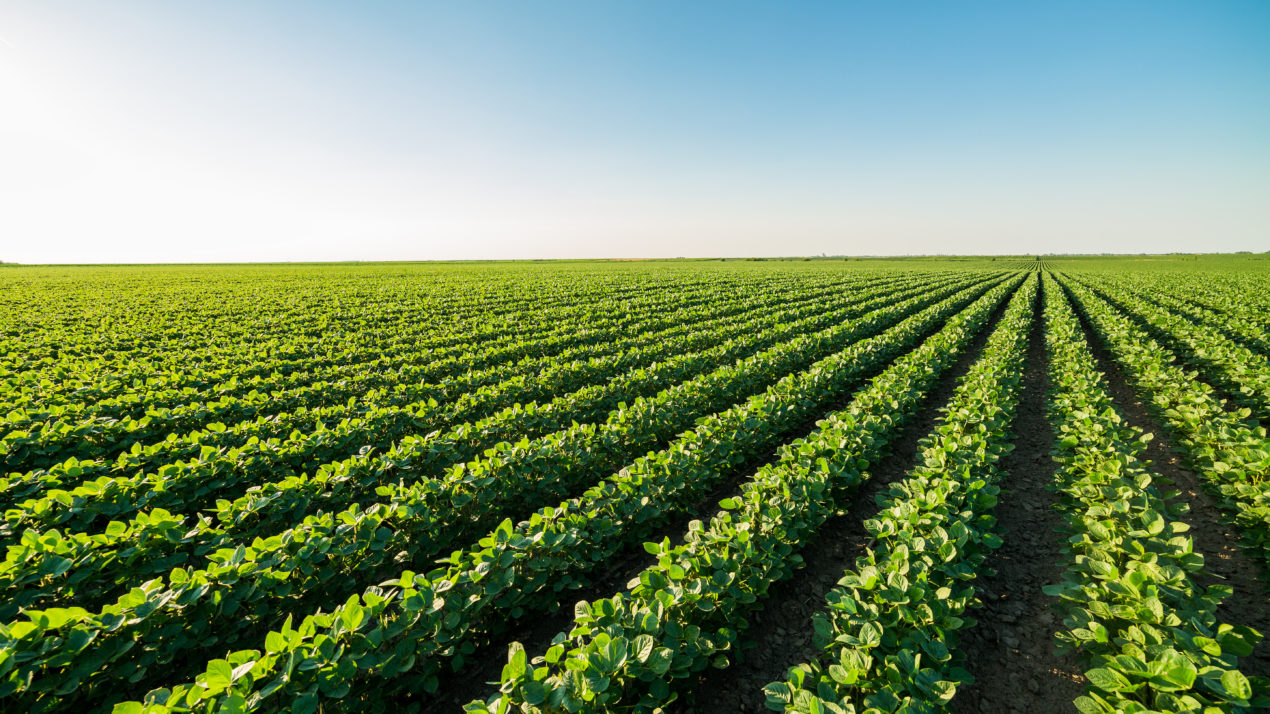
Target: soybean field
[817, 486]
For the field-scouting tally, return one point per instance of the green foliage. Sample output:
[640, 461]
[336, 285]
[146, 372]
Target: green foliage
[691, 603]
[1228, 449]
[331, 488]
[888, 636]
[1148, 631]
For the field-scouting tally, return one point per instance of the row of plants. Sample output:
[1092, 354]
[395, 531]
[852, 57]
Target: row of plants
[198, 481]
[1148, 632]
[888, 637]
[687, 610]
[1225, 364]
[183, 375]
[1250, 335]
[267, 445]
[99, 364]
[1230, 300]
[41, 438]
[83, 568]
[172, 370]
[1227, 449]
[420, 624]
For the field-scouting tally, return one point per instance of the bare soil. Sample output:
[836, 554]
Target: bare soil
[1011, 651]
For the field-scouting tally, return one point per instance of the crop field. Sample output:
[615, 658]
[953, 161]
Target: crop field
[685, 486]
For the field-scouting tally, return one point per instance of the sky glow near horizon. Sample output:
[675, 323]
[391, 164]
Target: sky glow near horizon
[237, 131]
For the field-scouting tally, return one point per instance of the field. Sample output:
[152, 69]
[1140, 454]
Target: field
[700, 486]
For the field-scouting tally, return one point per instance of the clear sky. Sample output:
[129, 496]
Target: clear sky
[219, 131]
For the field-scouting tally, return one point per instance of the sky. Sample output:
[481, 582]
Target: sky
[156, 131]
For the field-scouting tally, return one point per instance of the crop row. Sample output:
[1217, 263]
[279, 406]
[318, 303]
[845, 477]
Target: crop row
[1229, 451]
[1253, 336]
[124, 378]
[1134, 611]
[313, 336]
[417, 624]
[145, 351]
[363, 369]
[40, 439]
[1235, 302]
[319, 453]
[252, 448]
[467, 496]
[1225, 364]
[889, 634]
[624, 653]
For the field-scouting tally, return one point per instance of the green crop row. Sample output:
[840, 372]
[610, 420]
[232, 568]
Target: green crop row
[416, 624]
[247, 452]
[78, 568]
[99, 365]
[1229, 451]
[1134, 612]
[624, 653]
[888, 637]
[1235, 302]
[43, 438]
[1253, 336]
[1225, 364]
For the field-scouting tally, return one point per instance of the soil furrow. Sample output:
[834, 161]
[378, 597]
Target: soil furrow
[1011, 651]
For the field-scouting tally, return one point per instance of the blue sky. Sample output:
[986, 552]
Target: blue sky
[158, 131]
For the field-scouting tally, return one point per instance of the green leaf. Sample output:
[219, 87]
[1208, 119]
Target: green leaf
[1107, 680]
[275, 642]
[352, 614]
[1233, 642]
[534, 692]
[305, 704]
[1176, 678]
[596, 680]
[660, 660]
[1237, 686]
[233, 704]
[517, 662]
[1086, 705]
[219, 675]
[642, 647]
[778, 694]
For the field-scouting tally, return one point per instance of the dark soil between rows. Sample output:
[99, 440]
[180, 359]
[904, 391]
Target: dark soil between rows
[536, 630]
[1215, 539]
[1011, 651]
[780, 632]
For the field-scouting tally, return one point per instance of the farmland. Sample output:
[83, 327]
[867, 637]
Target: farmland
[703, 486]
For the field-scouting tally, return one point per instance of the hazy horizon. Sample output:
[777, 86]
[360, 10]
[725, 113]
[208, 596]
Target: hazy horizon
[294, 132]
